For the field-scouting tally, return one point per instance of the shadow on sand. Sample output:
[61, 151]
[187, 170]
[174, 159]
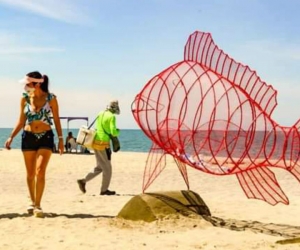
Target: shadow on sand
[54, 215]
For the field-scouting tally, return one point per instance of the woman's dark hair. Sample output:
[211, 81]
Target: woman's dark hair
[38, 75]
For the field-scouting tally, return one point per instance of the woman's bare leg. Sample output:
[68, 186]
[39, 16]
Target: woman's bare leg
[42, 159]
[30, 163]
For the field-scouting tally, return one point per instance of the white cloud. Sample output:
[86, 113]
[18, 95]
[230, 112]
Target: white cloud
[66, 10]
[88, 102]
[79, 102]
[5, 38]
[11, 100]
[10, 45]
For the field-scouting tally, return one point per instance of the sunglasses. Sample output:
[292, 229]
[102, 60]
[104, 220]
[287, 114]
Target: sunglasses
[33, 83]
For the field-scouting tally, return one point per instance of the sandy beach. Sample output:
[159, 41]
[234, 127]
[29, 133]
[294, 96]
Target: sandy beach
[88, 221]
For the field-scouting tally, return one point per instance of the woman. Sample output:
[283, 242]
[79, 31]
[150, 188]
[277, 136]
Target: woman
[37, 107]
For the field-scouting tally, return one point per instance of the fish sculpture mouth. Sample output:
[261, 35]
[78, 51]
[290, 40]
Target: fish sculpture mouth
[214, 114]
[143, 104]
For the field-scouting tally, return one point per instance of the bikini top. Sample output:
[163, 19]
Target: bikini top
[42, 115]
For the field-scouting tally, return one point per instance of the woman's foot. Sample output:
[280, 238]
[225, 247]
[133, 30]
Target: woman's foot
[38, 212]
[30, 209]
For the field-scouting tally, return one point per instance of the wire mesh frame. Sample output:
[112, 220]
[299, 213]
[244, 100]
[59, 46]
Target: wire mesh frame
[243, 93]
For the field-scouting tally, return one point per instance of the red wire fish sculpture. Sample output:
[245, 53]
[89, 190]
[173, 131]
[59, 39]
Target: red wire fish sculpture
[214, 114]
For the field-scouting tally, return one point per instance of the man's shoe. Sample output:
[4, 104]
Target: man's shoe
[81, 185]
[108, 192]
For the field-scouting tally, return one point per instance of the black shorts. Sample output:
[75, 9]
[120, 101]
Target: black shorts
[33, 142]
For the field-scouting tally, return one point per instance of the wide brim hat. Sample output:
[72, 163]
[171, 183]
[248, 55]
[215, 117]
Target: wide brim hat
[113, 106]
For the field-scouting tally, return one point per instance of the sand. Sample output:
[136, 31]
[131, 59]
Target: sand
[88, 221]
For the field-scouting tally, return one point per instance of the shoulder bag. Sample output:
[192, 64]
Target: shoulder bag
[86, 135]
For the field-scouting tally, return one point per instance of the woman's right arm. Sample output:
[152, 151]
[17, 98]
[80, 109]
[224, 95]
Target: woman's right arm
[20, 124]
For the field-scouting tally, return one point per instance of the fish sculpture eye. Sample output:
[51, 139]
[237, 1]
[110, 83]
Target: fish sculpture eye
[213, 114]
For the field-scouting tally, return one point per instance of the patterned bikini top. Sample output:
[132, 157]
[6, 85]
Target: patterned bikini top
[42, 115]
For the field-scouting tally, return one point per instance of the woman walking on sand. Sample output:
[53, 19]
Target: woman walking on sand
[37, 107]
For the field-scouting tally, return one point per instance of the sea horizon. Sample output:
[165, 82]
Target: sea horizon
[132, 140]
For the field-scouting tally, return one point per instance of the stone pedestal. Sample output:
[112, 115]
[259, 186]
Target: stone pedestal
[152, 206]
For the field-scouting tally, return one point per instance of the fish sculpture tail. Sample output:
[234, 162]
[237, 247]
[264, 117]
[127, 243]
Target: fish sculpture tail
[296, 172]
[261, 183]
[294, 166]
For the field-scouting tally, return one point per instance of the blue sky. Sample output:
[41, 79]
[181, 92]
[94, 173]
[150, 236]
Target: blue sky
[94, 51]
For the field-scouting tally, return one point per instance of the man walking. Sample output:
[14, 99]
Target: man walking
[105, 125]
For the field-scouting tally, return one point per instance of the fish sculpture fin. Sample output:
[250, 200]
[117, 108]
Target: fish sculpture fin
[156, 162]
[260, 183]
[201, 48]
[182, 169]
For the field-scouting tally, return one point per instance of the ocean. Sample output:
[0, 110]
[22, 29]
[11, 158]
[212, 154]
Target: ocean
[132, 140]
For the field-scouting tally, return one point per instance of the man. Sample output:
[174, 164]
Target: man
[105, 125]
[68, 144]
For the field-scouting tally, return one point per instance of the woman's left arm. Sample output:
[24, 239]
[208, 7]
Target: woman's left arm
[55, 114]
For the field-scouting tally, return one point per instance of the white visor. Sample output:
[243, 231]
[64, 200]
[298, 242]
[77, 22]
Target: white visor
[28, 79]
